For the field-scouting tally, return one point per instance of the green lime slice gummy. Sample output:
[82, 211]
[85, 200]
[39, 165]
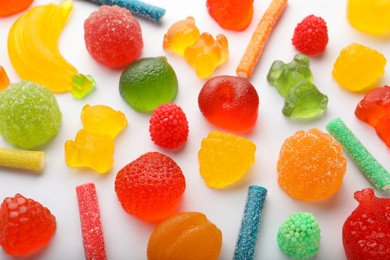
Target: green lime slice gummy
[29, 114]
[147, 83]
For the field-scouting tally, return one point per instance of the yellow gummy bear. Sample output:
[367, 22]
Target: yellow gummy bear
[370, 16]
[100, 119]
[180, 35]
[224, 158]
[358, 68]
[207, 54]
[90, 150]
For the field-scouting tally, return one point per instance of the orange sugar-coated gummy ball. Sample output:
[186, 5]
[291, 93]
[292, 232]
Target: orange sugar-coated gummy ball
[187, 235]
[311, 165]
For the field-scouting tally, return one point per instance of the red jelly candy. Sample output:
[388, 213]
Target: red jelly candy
[150, 187]
[229, 102]
[383, 129]
[366, 232]
[233, 15]
[113, 36]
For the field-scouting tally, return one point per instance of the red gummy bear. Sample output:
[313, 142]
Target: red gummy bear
[374, 109]
[233, 15]
[366, 232]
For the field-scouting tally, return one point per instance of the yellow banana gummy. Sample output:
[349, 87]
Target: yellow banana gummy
[33, 50]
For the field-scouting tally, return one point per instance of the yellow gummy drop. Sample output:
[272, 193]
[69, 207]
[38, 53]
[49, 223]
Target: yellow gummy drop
[90, 150]
[224, 158]
[102, 119]
[22, 159]
[370, 16]
[33, 50]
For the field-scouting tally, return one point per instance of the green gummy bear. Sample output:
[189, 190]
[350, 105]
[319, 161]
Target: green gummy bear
[294, 82]
[299, 236]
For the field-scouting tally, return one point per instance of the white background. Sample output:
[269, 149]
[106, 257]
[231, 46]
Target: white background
[126, 236]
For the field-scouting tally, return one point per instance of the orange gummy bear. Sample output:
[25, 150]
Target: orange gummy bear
[207, 54]
[311, 165]
[90, 150]
[187, 235]
[10, 7]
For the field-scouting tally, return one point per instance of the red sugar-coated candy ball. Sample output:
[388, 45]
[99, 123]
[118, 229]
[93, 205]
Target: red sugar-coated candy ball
[229, 102]
[113, 36]
[150, 187]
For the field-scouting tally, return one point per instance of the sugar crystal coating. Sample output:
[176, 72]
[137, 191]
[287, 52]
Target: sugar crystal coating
[299, 235]
[367, 164]
[29, 114]
[187, 235]
[113, 36]
[22, 159]
[311, 165]
[225, 158]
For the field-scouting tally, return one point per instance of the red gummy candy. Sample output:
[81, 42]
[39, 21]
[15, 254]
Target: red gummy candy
[374, 109]
[366, 232]
[150, 187]
[233, 15]
[229, 102]
[113, 36]
[25, 225]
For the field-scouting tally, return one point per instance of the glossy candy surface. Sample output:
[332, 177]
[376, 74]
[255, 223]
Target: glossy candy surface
[311, 165]
[366, 232]
[229, 102]
[10, 7]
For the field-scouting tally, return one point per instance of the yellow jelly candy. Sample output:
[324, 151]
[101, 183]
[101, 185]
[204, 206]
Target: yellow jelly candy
[225, 158]
[90, 150]
[102, 119]
[370, 16]
[358, 68]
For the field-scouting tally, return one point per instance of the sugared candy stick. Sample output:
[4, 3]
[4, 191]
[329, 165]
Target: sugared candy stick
[369, 166]
[138, 8]
[22, 159]
[247, 238]
[259, 38]
[4, 80]
[91, 226]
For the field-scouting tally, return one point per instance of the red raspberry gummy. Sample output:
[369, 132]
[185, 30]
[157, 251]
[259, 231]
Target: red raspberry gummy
[113, 36]
[150, 187]
[229, 102]
[366, 232]
[311, 35]
[168, 126]
[25, 225]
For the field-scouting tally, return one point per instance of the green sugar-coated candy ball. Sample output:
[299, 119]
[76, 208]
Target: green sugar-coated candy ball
[147, 83]
[29, 114]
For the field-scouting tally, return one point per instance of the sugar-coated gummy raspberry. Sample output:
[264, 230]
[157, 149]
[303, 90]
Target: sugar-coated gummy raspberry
[311, 35]
[352, 60]
[187, 235]
[225, 158]
[229, 102]
[168, 126]
[25, 225]
[299, 236]
[29, 114]
[113, 36]
[311, 165]
[150, 187]
[366, 232]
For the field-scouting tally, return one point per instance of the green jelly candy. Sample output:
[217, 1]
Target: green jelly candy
[299, 236]
[304, 100]
[147, 83]
[284, 75]
[29, 114]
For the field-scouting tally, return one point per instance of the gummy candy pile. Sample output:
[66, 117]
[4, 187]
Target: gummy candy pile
[218, 129]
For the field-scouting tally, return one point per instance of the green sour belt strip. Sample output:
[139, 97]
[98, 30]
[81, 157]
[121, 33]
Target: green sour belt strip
[369, 166]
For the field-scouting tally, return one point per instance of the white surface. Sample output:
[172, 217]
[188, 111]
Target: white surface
[126, 236]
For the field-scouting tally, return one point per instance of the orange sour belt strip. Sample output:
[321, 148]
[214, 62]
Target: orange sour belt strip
[4, 80]
[259, 38]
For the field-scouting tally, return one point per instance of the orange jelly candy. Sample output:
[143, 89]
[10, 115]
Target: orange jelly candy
[10, 7]
[311, 165]
[188, 235]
